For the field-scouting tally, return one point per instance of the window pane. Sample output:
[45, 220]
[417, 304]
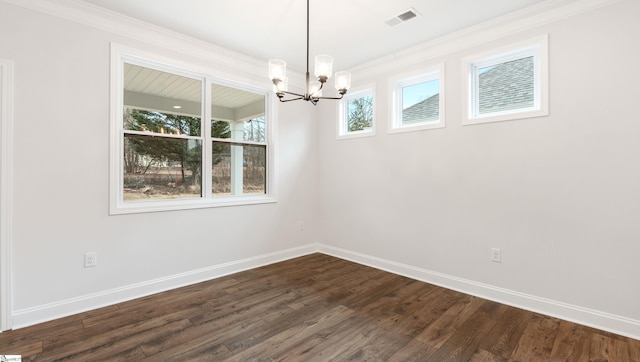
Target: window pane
[163, 102]
[237, 114]
[161, 168]
[238, 169]
[161, 123]
[421, 102]
[254, 130]
[360, 114]
[220, 129]
[506, 86]
[251, 130]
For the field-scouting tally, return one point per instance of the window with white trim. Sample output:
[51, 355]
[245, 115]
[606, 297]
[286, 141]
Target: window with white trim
[418, 101]
[508, 84]
[356, 118]
[182, 139]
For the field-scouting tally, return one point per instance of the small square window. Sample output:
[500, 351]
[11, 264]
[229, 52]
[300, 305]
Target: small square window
[356, 117]
[418, 102]
[506, 86]
[509, 84]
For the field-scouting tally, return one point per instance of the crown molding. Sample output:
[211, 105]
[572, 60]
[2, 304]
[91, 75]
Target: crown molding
[103, 19]
[112, 22]
[543, 13]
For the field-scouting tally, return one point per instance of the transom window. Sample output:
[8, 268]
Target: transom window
[508, 84]
[356, 118]
[162, 157]
[418, 102]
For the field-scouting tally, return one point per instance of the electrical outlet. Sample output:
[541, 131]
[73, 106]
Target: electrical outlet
[301, 226]
[90, 259]
[496, 255]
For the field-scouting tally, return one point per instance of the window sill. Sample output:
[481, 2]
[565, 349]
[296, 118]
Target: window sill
[136, 207]
[416, 127]
[357, 134]
[500, 117]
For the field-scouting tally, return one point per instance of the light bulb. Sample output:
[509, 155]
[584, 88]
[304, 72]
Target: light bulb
[314, 89]
[277, 69]
[343, 81]
[324, 65]
[281, 85]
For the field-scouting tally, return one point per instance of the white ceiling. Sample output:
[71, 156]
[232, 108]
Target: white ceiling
[352, 31]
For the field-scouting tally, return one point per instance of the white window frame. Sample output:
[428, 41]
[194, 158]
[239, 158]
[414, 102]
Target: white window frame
[119, 56]
[396, 86]
[343, 115]
[538, 48]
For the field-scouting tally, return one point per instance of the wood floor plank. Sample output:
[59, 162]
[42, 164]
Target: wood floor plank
[418, 313]
[281, 343]
[503, 338]
[31, 348]
[571, 343]
[604, 348]
[482, 355]
[86, 347]
[438, 332]
[380, 348]
[414, 351]
[336, 342]
[198, 349]
[314, 308]
[228, 313]
[536, 342]
[634, 350]
[465, 339]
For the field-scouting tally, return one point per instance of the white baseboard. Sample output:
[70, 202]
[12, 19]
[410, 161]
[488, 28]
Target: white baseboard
[573, 313]
[585, 316]
[43, 313]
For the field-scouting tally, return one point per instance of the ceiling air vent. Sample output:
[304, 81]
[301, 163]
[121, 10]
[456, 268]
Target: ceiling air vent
[404, 17]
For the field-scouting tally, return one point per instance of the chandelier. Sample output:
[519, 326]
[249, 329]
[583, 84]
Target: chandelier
[313, 90]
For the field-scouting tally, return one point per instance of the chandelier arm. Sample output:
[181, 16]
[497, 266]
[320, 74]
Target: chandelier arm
[341, 95]
[289, 100]
[293, 94]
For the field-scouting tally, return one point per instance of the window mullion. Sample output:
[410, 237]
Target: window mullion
[208, 147]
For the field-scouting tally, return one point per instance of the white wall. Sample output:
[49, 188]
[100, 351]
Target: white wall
[560, 195]
[61, 157]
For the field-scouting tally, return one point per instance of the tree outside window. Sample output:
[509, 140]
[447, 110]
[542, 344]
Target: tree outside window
[357, 115]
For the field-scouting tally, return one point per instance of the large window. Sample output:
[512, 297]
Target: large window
[508, 84]
[182, 139]
[356, 118]
[418, 101]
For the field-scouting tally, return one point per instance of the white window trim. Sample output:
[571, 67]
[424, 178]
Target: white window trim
[121, 54]
[539, 49]
[396, 85]
[341, 127]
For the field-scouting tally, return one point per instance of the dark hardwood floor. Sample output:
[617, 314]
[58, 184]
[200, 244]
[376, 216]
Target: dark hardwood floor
[314, 308]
